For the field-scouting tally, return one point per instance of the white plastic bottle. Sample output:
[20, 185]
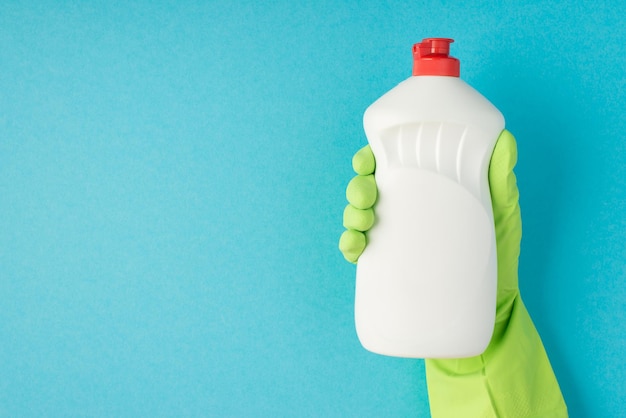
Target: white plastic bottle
[426, 282]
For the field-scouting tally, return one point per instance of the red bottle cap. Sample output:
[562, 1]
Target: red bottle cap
[431, 57]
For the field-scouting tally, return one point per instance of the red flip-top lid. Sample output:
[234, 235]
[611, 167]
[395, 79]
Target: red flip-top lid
[432, 57]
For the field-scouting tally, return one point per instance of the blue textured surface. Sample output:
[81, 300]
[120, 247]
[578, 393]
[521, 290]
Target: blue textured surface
[172, 181]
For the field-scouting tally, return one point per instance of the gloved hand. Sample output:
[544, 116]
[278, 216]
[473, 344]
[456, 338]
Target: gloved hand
[358, 215]
[513, 377]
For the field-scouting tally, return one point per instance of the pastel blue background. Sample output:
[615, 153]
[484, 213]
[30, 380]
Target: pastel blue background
[172, 182]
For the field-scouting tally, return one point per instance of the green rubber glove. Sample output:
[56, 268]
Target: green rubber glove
[358, 216]
[513, 377]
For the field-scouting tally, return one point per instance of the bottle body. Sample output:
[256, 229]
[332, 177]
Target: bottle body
[427, 280]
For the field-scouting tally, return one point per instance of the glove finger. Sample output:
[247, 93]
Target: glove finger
[363, 161]
[359, 219]
[508, 221]
[351, 244]
[502, 181]
[362, 192]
